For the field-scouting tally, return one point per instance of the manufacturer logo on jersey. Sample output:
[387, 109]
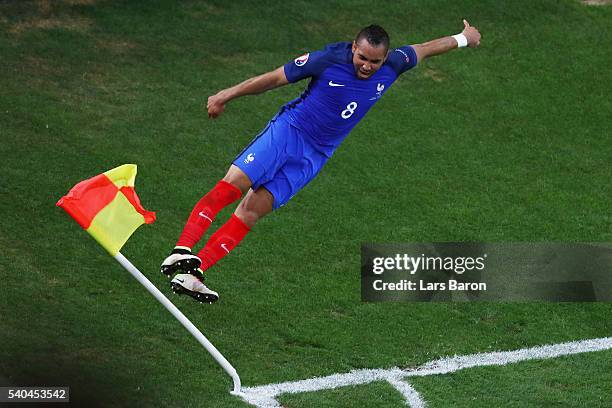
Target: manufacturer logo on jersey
[332, 83]
[249, 158]
[224, 246]
[301, 60]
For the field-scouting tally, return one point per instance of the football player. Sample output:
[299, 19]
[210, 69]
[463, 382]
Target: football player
[346, 80]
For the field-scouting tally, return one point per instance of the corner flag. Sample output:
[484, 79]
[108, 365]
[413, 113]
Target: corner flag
[108, 208]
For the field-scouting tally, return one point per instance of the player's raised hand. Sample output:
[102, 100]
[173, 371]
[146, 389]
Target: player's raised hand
[472, 34]
[215, 106]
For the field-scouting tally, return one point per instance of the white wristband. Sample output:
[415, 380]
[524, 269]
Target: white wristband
[461, 40]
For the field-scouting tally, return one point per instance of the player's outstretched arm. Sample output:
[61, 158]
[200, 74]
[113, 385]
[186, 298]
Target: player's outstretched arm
[469, 37]
[252, 86]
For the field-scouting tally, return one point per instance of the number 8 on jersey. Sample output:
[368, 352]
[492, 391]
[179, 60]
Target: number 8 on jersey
[350, 109]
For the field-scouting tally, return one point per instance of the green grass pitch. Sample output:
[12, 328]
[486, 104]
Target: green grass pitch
[509, 142]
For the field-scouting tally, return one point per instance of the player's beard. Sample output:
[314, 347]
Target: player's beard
[363, 75]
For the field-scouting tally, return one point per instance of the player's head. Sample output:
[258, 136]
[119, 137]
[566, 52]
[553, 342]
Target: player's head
[370, 49]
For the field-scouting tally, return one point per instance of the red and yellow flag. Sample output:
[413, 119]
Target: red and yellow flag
[107, 207]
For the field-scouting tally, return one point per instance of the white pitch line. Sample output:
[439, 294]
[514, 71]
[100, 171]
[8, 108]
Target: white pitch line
[264, 396]
[413, 398]
[451, 364]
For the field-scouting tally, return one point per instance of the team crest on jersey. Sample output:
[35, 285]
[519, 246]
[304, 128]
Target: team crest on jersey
[379, 90]
[302, 59]
[249, 158]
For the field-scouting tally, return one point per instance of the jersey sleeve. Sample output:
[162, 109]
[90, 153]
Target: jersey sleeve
[402, 59]
[307, 65]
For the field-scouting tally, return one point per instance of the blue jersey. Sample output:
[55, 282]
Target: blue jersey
[335, 99]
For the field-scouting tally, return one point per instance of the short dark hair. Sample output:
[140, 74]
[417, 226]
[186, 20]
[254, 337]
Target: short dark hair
[375, 34]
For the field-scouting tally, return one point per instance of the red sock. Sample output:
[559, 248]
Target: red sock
[223, 241]
[205, 211]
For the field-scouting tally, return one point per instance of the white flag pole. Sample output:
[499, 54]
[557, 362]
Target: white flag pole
[184, 321]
